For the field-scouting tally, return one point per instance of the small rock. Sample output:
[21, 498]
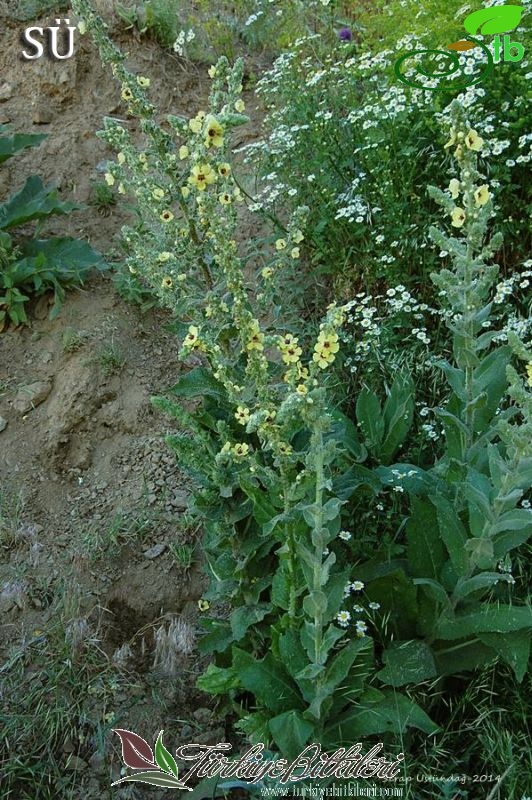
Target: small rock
[76, 764]
[3, 424]
[180, 500]
[46, 358]
[42, 116]
[31, 396]
[6, 91]
[155, 551]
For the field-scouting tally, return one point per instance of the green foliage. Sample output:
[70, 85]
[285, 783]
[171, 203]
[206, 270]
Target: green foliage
[338, 124]
[287, 480]
[35, 266]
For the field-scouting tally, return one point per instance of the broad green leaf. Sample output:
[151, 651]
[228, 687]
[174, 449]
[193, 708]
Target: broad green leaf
[9, 145]
[268, 681]
[63, 259]
[514, 648]
[483, 581]
[344, 486]
[455, 378]
[516, 520]
[491, 618]
[395, 713]
[435, 589]
[398, 415]
[164, 758]
[198, 383]
[216, 680]
[33, 201]
[218, 637]
[244, 617]
[425, 550]
[290, 732]
[497, 19]
[263, 509]
[345, 433]
[505, 542]
[368, 410]
[407, 662]
[452, 532]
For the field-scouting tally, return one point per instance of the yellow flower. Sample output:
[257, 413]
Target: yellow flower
[167, 283]
[196, 124]
[280, 244]
[164, 256]
[121, 188]
[202, 175]
[290, 349]
[529, 373]
[285, 449]
[454, 188]
[157, 193]
[203, 605]
[295, 252]
[127, 94]
[237, 194]
[185, 191]
[298, 237]
[166, 216]
[144, 82]
[474, 141]
[256, 339]
[181, 278]
[267, 272]
[482, 195]
[212, 72]
[225, 199]
[240, 450]
[82, 27]
[109, 179]
[325, 349]
[458, 217]
[301, 389]
[242, 415]
[224, 170]
[183, 152]
[214, 132]
[240, 106]
[192, 337]
[121, 158]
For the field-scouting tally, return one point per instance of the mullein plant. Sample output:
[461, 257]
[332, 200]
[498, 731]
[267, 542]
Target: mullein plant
[470, 511]
[264, 443]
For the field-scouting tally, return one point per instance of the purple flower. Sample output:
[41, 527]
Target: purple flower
[345, 34]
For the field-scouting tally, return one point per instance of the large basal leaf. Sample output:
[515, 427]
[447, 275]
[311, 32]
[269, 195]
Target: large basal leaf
[216, 680]
[70, 260]
[198, 383]
[497, 19]
[490, 618]
[462, 656]
[268, 681]
[425, 550]
[398, 415]
[407, 662]
[244, 617]
[452, 532]
[34, 201]
[393, 713]
[368, 410]
[9, 145]
[514, 648]
[290, 732]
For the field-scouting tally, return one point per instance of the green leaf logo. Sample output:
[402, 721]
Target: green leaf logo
[164, 758]
[497, 19]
